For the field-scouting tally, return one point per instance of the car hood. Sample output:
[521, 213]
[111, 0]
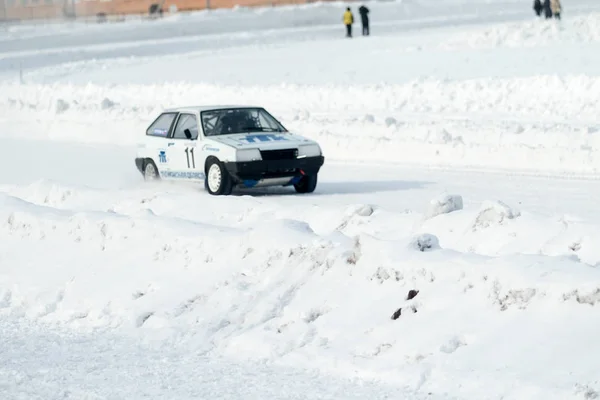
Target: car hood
[262, 140]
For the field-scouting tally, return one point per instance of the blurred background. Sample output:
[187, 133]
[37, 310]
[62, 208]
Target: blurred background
[11, 10]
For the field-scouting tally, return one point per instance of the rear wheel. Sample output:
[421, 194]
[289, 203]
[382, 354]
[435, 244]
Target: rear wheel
[307, 184]
[150, 171]
[217, 182]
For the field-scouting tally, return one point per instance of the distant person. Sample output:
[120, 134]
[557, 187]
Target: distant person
[348, 21]
[537, 6]
[556, 8]
[364, 18]
[547, 9]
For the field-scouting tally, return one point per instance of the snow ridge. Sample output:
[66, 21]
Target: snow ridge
[292, 288]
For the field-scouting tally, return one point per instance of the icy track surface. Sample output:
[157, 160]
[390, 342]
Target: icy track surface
[78, 366]
[449, 252]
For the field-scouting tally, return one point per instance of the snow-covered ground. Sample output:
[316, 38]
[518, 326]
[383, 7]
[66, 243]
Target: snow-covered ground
[449, 252]
[40, 365]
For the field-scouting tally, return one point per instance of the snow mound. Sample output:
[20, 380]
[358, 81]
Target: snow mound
[61, 106]
[425, 242]
[494, 213]
[575, 30]
[368, 118]
[444, 204]
[354, 218]
[362, 210]
[107, 104]
[288, 231]
[277, 288]
[46, 192]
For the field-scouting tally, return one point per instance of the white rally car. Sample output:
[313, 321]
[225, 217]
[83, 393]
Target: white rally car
[227, 147]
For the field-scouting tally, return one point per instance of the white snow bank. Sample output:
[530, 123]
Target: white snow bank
[494, 123]
[309, 285]
[444, 204]
[425, 242]
[537, 32]
[492, 213]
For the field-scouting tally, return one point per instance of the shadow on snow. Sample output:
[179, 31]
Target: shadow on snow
[334, 188]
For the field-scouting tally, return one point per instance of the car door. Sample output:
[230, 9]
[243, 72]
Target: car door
[182, 148]
[157, 139]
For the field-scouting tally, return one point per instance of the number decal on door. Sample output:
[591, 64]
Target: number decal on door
[189, 154]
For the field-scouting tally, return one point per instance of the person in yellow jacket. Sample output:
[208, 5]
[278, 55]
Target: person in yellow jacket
[348, 21]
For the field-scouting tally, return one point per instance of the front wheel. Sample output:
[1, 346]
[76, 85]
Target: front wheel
[150, 171]
[218, 181]
[307, 184]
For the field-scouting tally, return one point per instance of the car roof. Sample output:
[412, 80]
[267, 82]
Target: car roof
[208, 108]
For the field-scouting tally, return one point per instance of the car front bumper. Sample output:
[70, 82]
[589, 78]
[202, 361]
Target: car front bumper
[261, 170]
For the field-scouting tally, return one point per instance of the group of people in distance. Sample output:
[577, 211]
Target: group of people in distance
[348, 19]
[551, 8]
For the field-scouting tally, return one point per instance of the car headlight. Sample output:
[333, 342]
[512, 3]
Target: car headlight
[309, 150]
[248, 155]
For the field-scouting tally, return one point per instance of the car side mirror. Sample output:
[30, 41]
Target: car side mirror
[187, 132]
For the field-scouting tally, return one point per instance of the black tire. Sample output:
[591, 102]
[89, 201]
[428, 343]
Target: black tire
[149, 171]
[307, 184]
[221, 187]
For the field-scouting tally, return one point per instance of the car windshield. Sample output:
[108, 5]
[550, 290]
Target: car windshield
[239, 120]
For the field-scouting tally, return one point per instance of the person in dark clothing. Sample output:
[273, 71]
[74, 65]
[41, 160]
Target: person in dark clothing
[537, 6]
[547, 9]
[364, 17]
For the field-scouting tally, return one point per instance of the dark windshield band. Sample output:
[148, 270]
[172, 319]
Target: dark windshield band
[239, 120]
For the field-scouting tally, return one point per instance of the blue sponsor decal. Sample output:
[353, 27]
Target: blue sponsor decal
[160, 132]
[208, 148]
[250, 183]
[264, 138]
[183, 174]
[162, 156]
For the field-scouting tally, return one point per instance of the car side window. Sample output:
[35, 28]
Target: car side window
[161, 126]
[186, 122]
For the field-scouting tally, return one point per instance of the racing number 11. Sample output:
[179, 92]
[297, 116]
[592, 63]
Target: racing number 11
[190, 152]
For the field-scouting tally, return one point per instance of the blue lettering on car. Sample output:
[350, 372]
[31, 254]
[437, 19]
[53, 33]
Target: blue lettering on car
[162, 156]
[264, 138]
[182, 174]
